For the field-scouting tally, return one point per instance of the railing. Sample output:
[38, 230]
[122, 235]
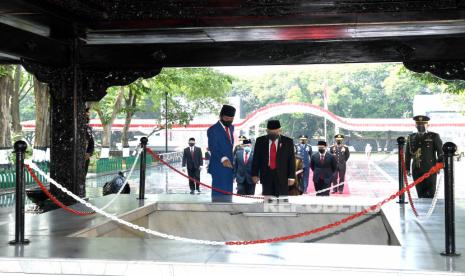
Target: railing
[119, 163]
[106, 165]
[8, 177]
[109, 165]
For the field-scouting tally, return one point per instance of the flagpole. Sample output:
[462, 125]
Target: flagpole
[325, 129]
[325, 103]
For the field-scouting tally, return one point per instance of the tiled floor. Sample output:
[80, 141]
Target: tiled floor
[418, 254]
[421, 242]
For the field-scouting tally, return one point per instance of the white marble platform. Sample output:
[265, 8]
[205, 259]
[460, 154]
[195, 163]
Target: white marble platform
[52, 251]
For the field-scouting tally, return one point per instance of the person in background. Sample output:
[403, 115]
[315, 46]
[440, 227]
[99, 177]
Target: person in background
[239, 146]
[90, 144]
[207, 154]
[305, 151]
[424, 148]
[323, 165]
[274, 161]
[368, 151]
[90, 147]
[114, 185]
[243, 169]
[193, 161]
[220, 143]
[295, 188]
[342, 154]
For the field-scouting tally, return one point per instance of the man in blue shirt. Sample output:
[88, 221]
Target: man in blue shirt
[220, 144]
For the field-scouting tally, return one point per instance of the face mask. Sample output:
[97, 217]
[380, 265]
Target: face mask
[272, 136]
[191, 144]
[421, 128]
[226, 123]
[247, 149]
[321, 150]
[338, 142]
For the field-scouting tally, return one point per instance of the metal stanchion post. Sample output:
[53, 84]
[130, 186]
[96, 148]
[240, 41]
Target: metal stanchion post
[400, 144]
[20, 150]
[449, 150]
[143, 157]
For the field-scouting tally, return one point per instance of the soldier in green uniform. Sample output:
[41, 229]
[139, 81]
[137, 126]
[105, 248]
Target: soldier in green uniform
[341, 154]
[424, 148]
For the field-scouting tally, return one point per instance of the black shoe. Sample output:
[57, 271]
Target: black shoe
[341, 191]
[192, 192]
[198, 191]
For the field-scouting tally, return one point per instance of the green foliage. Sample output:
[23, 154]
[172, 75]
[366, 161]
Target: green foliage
[190, 92]
[27, 107]
[355, 91]
[106, 106]
[5, 70]
[448, 86]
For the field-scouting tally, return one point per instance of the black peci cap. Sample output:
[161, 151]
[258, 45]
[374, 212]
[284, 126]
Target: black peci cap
[228, 110]
[322, 143]
[273, 124]
[246, 142]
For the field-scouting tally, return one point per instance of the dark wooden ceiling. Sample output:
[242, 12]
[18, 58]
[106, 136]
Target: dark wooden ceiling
[142, 34]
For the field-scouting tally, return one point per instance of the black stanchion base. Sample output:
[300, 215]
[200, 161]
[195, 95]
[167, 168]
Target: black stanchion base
[15, 242]
[401, 202]
[450, 254]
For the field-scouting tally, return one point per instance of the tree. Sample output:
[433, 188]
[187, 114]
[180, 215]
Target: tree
[190, 91]
[6, 88]
[107, 110]
[15, 118]
[132, 99]
[357, 91]
[22, 87]
[42, 130]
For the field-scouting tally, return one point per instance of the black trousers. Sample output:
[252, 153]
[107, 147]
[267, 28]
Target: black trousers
[271, 185]
[194, 173]
[427, 188]
[340, 174]
[320, 185]
[246, 188]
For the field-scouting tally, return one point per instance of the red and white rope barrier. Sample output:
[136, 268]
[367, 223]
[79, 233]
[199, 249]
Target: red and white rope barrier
[372, 208]
[30, 168]
[156, 156]
[411, 203]
[347, 219]
[195, 180]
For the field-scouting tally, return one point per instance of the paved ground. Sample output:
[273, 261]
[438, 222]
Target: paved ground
[372, 178]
